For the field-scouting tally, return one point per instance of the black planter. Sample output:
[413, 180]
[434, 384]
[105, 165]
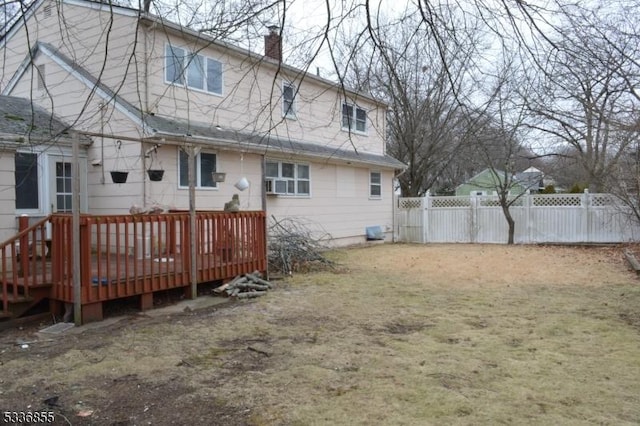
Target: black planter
[119, 177]
[155, 175]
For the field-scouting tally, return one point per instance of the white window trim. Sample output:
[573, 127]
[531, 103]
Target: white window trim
[295, 178]
[353, 128]
[197, 172]
[293, 111]
[371, 184]
[184, 84]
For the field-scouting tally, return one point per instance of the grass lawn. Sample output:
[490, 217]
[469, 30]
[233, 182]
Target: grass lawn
[397, 334]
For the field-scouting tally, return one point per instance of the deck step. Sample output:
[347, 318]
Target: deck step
[4, 314]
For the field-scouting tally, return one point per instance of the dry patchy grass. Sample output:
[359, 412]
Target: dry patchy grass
[401, 334]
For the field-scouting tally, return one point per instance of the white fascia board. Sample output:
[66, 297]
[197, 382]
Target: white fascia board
[17, 76]
[104, 7]
[20, 23]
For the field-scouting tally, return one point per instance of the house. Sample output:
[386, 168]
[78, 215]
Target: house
[35, 164]
[487, 182]
[532, 179]
[152, 94]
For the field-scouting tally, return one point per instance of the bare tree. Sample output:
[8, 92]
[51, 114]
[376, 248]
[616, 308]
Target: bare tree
[583, 98]
[400, 63]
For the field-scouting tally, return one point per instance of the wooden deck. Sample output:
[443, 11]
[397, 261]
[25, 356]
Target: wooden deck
[127, 255]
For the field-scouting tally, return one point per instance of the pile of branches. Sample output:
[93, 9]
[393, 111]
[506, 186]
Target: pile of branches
[294, 247]
[245, 286]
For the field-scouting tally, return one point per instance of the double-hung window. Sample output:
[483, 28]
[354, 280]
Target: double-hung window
[204, 165]
[288, 178]
[192, 70]
[375, 185]
[288, 100]
[354, 118]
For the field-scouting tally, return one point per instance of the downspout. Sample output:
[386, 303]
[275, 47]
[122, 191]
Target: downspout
[102, 107]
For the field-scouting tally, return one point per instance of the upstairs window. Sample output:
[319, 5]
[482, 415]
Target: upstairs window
[192, 70]
[205, 164]
[288, 100]
[375, 185]
[287, 178]
[354, 118]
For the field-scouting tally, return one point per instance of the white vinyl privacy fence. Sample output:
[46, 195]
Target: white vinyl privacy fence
[555, 218]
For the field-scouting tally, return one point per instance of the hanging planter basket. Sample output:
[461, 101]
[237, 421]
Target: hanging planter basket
[155, 174]
[119, 177]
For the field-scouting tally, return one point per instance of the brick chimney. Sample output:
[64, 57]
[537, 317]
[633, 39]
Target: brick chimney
[273, 43]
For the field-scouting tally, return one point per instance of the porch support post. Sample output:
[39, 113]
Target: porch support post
[192, 152]
[75, 224]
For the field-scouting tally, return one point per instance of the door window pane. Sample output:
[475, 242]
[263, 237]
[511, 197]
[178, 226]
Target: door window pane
[63, 187]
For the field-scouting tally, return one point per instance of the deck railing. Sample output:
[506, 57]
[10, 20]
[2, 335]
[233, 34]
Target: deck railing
[23, 260]
[127, 255]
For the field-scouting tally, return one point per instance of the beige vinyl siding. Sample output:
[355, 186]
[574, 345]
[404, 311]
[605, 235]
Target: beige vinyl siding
[85, 32]
[8, 223]
[251, 101]
[166, 193]
[344, 217]
[251, 92]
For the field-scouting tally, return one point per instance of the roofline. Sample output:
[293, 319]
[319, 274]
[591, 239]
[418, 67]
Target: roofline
[66, 64]
[495, 172]
[182, 31]
[121, 10]
[13, 139]
[145, 16]
[239, 146]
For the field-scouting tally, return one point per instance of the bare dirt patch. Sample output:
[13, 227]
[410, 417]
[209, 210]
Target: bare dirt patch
[402, 334]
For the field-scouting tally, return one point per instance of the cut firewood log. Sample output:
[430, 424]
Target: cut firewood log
[251, 286]
[221, 288]
[258, 280]
[250, 294]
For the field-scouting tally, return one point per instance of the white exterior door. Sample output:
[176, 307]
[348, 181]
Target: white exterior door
[60, 180]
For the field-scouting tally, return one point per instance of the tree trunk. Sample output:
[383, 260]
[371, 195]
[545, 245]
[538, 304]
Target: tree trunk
[510, 221]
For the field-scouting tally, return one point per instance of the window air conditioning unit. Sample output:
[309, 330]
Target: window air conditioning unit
[275, 186]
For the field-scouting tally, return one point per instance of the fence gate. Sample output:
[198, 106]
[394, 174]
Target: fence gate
[553, 218]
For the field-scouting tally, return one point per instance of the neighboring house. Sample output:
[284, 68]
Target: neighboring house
[148, 92]
[35, 162]
[486, 183]
[532, 179]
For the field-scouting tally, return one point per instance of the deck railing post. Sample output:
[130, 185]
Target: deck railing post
[85, 262]
[23, 223]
